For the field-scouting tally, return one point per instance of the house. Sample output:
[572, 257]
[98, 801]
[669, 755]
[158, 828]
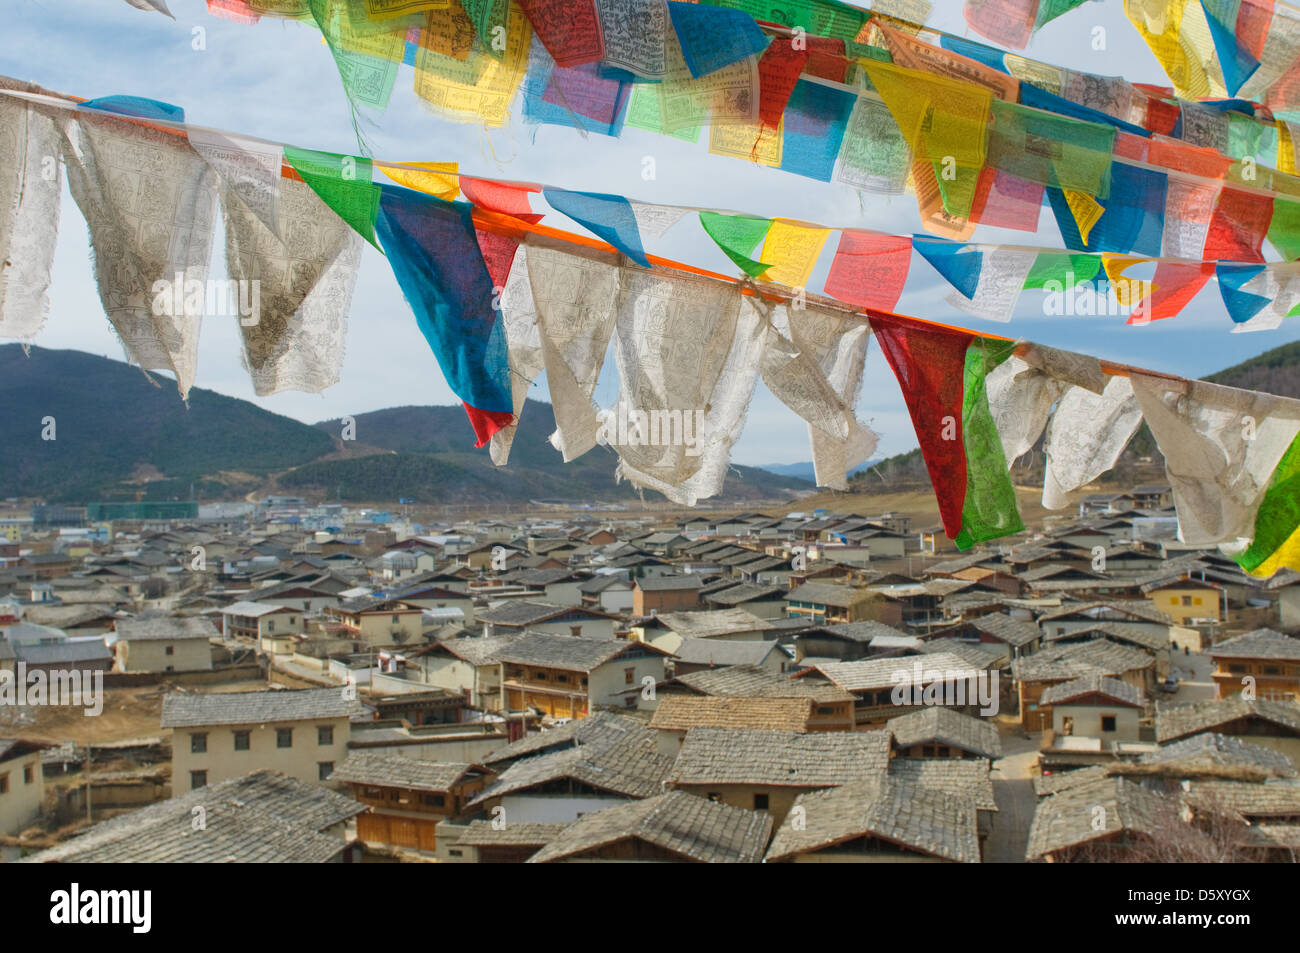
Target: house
[668, 827]
[885, 688]
[1094, 714]
[608, 592]
[678, 714]
[561, 784]
[164, 644]
[565, 676]
[937, 732]
[22, 784]
[766, 602]
[470, 666]
[408, 798]
[268, 625]
[1100, 819]
[302, 733]
[379, 621]
[670, 629]
[834, 706]
[1271, 724]
[849, 641]
[881, 821]
[520, 615]
[1267, 661]
[768, 770]
[652, 595]
[828, 604]
[492, 842]
[426, 596]
[1185, 599]
[262, 817]
[1035, 673]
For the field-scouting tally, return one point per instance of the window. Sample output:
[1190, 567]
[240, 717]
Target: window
[456, 853]
[561, 678]
[629, 701]
[928, 751]
[715, 797]
[170, 650]
[396, 618]
[198, 779]
[284, 737]
[324, 734]
[1272, 670]
[324, 769]
[198, 742]
[629, 676]
[241, 740]
[434, 800]
[540, 676]
[1107, 723]
[1187, 600]
[4, 783]
[760, 802]
[29, 775]
[1237, 669]
[270, 625]
[825, 710]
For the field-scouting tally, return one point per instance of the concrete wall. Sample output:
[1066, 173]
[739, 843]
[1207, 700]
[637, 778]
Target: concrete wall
[151, 655]
[607, 683]
[553, 809]
[20, 805]
[1087, 722]
[222, 761]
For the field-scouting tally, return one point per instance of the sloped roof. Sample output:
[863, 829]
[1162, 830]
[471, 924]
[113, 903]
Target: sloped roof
[1067, 819]
[264, 817]
[255, 708]
[1214, 755]
[697, 651]
[1177, 721]
[781, 758]
[1112, 688]
[393, 771]
[958, 777]
[694, 827]
[751, 681]
[572, 652]
[949, 727]
[926, 821]
[1259, 643]
[683, 712]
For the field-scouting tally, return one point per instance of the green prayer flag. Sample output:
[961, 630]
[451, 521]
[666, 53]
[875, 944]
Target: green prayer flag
[344, 183]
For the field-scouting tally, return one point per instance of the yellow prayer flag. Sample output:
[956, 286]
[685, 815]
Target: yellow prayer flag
[480, 88]
[439, 179]
[1128, 291]
[1179, 36]
[792, 251]
[941, 119]
[1087, 211]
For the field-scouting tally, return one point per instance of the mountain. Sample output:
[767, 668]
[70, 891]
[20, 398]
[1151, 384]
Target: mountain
[118, 436]
[806, 471]
[1274, 372]
[433, 446]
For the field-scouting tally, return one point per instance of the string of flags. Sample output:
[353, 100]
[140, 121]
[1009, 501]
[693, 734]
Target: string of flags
[858, 97]
[502, 298]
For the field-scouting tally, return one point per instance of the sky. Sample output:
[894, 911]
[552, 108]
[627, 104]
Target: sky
[276, 80]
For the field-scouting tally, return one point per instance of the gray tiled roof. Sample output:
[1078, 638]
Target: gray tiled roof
[480, 650]
[955, 776]
[781, 758]
[828, 594]
[948, 727]
[598, 730]
[683, 712]
[1215, 755]
[513, 834]
[712, 622]
[264, 817]
[1116, 631]
[70, 652]
[1067, 819]
[392, 771]
[1014, 632]
[1261, 644]
[875, 674]
[1178, 721]
[862, 632]
[255, 708]
[166, 628]
[1058, 781]
[1114, 609]
[694, 827]
[1094, 685]
[630, 767]
[572, 652]
[926, 821]
[1079, 659]
[1251, 799]
[748, 680]
[723, 652]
